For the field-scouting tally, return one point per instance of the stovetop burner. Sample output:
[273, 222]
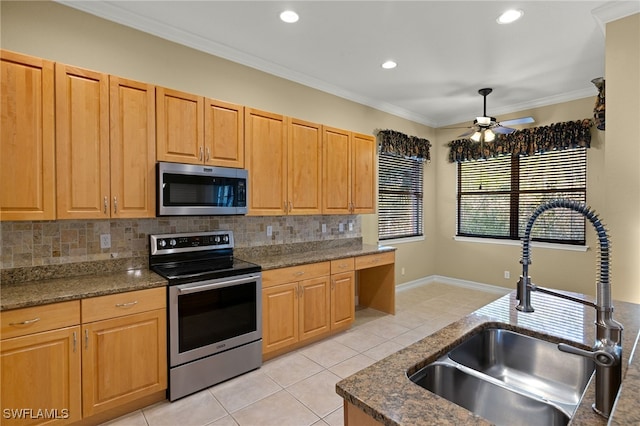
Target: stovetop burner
[192, 257]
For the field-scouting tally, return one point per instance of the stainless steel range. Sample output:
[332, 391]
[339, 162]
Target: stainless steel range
[214, 309]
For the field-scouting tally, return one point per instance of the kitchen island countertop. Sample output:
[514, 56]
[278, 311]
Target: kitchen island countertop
[384, 392]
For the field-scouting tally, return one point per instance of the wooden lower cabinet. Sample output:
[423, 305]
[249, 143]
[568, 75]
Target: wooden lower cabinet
[40, 378]
[294, 313]
[83, 361]
[123, 359]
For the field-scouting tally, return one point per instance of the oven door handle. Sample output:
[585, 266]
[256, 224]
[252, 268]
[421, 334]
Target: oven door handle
[205, 287]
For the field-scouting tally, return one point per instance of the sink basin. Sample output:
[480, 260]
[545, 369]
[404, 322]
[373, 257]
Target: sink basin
[497, 404]
[509, 378]
[527, 363]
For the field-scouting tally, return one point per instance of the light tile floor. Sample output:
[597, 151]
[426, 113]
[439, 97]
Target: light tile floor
[298, 388]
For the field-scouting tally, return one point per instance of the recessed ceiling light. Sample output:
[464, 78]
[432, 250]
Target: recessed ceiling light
[289, 16]
[389, 65]
[510, 16]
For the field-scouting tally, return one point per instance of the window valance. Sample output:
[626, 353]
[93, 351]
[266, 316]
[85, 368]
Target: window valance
[557, 136]
[392, 142]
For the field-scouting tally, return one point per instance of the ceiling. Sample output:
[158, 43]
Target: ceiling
[445, 50]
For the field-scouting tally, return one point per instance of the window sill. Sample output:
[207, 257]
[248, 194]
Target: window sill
[552, 246]
[401, 240]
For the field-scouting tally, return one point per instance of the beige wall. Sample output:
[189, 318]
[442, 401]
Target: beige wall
[486, 263]
[59, 33]
[622, 154]
[62, 34]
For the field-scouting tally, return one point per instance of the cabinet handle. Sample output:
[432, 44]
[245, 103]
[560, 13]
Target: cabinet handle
[333, 284]
[299, 273]
[106, 201]
[285, 206]
[208, 154]
[75, 341]
[115, 204]
[201, 154]
[25, 322]
[290, 206]
[126, 305]
[86, 338]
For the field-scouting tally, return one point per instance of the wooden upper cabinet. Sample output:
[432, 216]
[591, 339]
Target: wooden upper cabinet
[304, 163]
[363, 175]
[223, 134]
[349, 172]
[27, 144]
[180, 129]
[82, 143]
[337, 171]
[133, 153]
[266, 161]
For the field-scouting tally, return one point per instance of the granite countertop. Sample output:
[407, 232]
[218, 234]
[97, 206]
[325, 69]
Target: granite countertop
[42, 292]
[384, 391]
[26, 287]
[283, 260]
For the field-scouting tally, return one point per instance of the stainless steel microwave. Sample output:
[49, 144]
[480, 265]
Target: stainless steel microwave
[192, 190]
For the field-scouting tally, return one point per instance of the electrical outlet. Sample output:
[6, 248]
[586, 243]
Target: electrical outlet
[350, 226]
[402, 271]
[105, 241]
[324, 228]
[507, 275]
[341, 227]
[269, 230]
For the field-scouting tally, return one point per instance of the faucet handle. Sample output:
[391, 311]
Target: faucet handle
[601, 357]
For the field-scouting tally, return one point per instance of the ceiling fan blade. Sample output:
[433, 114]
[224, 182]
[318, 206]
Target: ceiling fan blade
[468, 133]
[516, 121]
[503, 130]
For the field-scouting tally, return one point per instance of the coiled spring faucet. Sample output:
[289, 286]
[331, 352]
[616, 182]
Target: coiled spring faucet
[607, 351]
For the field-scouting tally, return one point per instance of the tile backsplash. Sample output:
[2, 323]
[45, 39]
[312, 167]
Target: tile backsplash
[25, 244]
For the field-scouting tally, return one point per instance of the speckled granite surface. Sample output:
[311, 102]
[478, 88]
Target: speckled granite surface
[41, 292]
[23, 287]
[384, 391]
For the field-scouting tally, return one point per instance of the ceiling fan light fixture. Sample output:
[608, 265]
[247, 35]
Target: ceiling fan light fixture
[510, 16]
[476, 137]
[483, 121]
[489, 136]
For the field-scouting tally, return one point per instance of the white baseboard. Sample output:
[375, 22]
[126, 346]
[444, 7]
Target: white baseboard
[453, 281]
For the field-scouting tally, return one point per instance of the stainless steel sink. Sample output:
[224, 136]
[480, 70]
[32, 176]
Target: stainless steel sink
[526, 363]
[497, 404]
[509, 378]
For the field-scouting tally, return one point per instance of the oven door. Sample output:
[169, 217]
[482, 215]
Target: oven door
[208, 317]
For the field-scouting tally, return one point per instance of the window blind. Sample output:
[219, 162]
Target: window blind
[497, 196]
[400, 196]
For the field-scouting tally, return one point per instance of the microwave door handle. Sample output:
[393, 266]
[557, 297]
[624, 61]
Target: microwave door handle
[205, 287]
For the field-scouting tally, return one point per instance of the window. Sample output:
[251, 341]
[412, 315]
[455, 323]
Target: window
[399, 197]
[497, 196]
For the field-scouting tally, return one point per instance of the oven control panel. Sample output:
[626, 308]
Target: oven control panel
[178, 243]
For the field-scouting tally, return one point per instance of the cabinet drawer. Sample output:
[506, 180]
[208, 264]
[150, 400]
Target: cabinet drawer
[295, 273]
[116, 305]
[372, 260]
[342, 265]
[20, 322]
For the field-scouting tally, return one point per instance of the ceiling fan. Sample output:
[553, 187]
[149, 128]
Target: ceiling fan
[484, 128]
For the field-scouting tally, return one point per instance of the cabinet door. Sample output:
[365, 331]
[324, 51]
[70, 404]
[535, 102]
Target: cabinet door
[337, 171]
[133, 153]
[82, 143]
[41, 372]
[279, 317]
[363, 174]
[180, 129]
[123, 359]
[342, 299]
[27, 148]
[304, 161]
[224, 134]
[266, 161]
[314, 307]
